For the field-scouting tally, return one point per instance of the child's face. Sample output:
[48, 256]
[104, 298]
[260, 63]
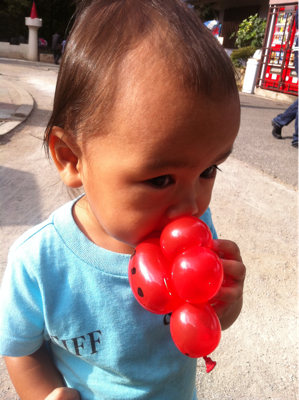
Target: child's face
[157, 160]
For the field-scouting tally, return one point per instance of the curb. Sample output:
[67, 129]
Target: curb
[21, 113]
[276, 96]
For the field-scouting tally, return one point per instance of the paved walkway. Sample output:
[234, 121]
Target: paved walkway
[15, 105]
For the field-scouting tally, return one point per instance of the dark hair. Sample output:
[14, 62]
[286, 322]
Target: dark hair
[103, 34]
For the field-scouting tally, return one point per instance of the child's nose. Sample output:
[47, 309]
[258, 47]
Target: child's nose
[185, 204]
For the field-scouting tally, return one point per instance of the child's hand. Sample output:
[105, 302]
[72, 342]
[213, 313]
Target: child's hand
[228, 301]
[63, 393]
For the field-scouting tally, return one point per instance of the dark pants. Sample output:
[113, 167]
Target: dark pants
[291, 113]
[287, 117]
[57, 54]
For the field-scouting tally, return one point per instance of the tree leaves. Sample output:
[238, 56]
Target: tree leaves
[251, 32]
[57, 15]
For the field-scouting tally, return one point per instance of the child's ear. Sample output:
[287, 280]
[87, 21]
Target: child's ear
[65, 158]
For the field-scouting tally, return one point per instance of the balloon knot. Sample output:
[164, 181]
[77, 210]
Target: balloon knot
[210, 364]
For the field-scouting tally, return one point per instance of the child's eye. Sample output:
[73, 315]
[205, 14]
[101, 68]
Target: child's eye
[161, 181]
[209, 172]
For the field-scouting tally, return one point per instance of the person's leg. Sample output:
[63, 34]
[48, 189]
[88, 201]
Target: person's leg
[296, 59]
[56, 56]
[295, 136]
[284, 119]
[288, 116]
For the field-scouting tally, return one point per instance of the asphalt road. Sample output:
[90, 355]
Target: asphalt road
[256, 146]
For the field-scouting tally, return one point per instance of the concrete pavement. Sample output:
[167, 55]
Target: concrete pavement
[16, 103]
[15, 106]
[254, 203]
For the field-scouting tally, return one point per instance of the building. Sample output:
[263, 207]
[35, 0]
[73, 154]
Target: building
[232, 12]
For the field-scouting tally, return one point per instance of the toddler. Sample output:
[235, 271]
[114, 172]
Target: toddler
[146, 108]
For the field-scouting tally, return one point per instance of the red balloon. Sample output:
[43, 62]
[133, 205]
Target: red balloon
[195, 330]
[149, 277]
[179, 273]
[182, 234]
[197, 274]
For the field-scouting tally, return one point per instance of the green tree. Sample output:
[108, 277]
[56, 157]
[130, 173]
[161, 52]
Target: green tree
[206, 12]
[57, 16]
[12, 18]
[251, 32]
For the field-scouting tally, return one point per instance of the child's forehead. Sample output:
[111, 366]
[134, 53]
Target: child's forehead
[163, 114]
[176, 132]
[158, 93]
[151, 75]
[146, 78]
[148, 59]
[154, 113]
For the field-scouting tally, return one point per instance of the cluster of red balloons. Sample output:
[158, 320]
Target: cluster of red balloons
[178, 273]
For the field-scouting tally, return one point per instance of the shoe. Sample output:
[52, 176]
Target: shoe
[295, 145]
[276, 131]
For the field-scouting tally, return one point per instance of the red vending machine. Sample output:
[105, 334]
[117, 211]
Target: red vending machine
[276, 70]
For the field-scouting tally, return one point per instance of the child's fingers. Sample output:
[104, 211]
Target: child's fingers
[229, 294]
[226, 249]
[235, 269]
[231, 291]
[221, 308]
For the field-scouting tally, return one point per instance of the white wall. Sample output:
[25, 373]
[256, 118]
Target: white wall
[14, 51]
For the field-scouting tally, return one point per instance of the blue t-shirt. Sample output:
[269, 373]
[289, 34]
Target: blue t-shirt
[63, 289]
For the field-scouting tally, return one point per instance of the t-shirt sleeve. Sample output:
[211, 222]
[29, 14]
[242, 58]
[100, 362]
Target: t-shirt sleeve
[21, 311]
[207, 218]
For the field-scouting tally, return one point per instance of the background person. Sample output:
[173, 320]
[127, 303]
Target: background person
[56, 47]
[291, 113]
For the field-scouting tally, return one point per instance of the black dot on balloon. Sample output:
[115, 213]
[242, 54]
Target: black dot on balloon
[186, 354]
[140, 292]
[133, 254]
[166, 319]
[133, 271]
